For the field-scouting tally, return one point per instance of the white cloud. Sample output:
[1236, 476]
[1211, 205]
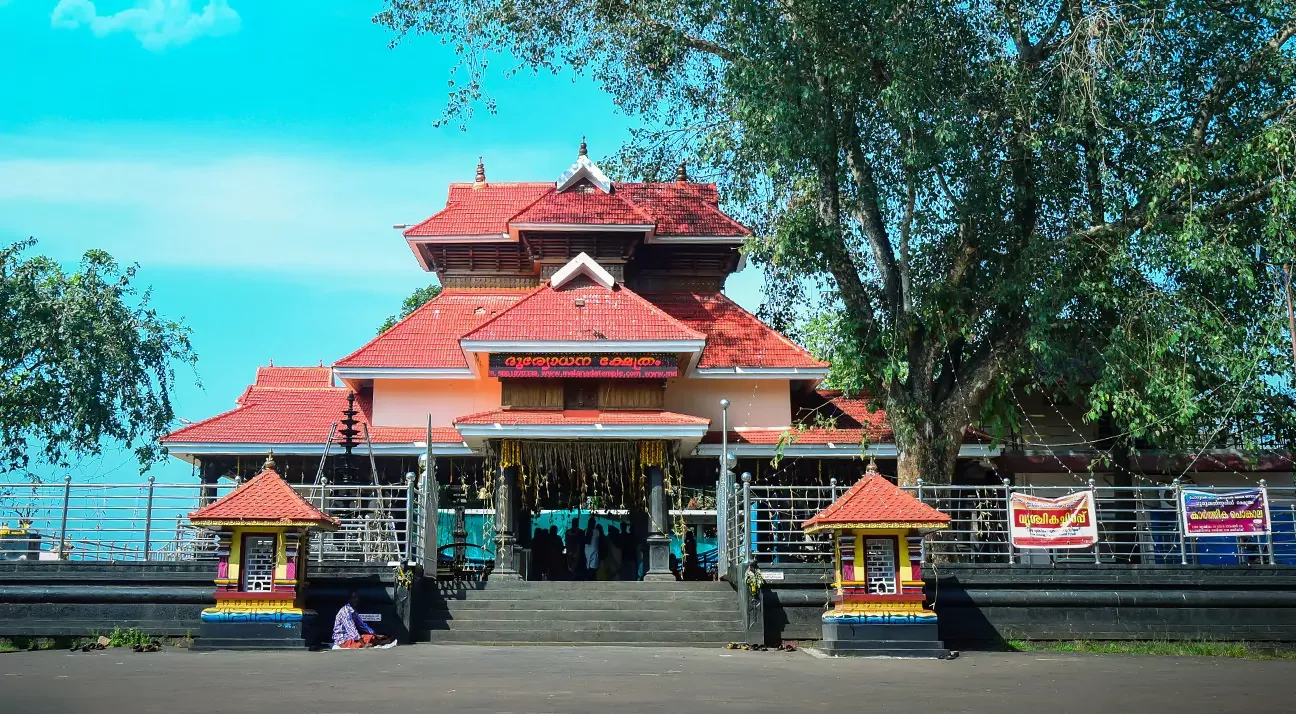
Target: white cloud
[157, 24]
[291, 215]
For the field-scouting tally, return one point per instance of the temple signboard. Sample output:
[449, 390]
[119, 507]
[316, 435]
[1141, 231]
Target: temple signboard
[1066, 522]
[584, 366]
[1240, 513]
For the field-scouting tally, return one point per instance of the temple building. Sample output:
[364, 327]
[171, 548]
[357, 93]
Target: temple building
[578, 358]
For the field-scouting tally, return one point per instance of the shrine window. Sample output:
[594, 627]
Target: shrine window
[258, 563]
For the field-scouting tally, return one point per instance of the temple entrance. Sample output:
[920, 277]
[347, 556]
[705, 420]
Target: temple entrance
[587, 510]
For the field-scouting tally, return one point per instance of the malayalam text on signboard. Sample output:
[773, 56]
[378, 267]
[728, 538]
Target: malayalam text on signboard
[1240, 513]
[1066, 522]
[578, 366]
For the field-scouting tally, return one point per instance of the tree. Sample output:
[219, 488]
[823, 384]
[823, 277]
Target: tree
[84, 360]
[1067, 192]
[417, 299]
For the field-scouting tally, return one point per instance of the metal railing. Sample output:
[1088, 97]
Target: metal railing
[149, 521]
[1136, 525]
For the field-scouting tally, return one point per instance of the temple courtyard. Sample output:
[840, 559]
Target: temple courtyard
[625, 680]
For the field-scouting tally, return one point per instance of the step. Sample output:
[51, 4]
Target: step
[730, 605]
[716, 644]
[479, 635]
[589, 585]
[574, 615]
[927, 653]
[585, 626]
[617, 596]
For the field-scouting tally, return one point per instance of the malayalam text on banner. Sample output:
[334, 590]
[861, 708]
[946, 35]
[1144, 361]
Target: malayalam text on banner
[1238, 513]
[583, 365]
[1066, 522]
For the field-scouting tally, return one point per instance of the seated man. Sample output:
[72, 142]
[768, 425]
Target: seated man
[352, 633]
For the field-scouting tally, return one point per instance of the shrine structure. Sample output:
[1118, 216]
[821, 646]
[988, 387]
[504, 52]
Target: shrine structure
[262, 530]
[878, 607]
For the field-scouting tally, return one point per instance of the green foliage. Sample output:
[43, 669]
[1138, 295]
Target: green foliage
[128, 637]
[84, 360]
[958, 200]
[417, 299]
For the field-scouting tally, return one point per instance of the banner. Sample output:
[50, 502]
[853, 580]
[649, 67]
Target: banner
[1240, 513]
[1066, 522]
[629, 366]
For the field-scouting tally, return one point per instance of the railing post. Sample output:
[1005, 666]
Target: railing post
[1007, 486]
[747, 518]
[1093, 496]
[1264, 495]
[324, 507]
[67, 497]
[148, 518]
[722, 493]
[832, 485]
[1179, 522]
[409, 517]
[920, 488]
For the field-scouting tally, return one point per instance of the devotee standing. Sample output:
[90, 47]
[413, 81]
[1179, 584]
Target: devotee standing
[593, 540]
[351, 632]
[575, 551]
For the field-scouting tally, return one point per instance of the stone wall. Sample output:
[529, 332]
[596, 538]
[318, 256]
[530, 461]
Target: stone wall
[984, 605]
[75, 599]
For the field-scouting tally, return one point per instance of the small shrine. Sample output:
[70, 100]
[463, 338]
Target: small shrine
[878, 606]
[262, 542]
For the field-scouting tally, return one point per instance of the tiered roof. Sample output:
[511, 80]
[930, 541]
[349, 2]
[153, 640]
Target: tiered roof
[583, 311]
[266, 499]
[875, 502]
[268, 414]
[680, 209]
[429, 337]
[735, 337]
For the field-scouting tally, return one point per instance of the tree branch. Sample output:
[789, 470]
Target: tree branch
[869, 213]
[1210, 103]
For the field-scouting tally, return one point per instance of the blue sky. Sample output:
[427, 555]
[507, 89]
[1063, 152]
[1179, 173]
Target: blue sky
[251, 156]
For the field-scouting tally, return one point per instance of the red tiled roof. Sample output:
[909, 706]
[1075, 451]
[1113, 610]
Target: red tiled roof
[551, 314]
[735, 337]
[677, 209]
[584, 207]
[811, 436]
[513, 417]
[429, 337]
[264, 498]
[875, 500]
[294, 377]
[480, 211]
[683, 209]
[272, 415]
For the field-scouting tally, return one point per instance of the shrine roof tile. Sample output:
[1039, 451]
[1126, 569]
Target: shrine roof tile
[875, 500]
[265, 497]
[735, 337]
[429, 337]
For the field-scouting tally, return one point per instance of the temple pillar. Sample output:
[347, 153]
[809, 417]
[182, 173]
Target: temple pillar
[658, 526]
[506, 523]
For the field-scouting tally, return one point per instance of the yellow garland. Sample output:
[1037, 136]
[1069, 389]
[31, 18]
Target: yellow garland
[510, 454]
[652, 453]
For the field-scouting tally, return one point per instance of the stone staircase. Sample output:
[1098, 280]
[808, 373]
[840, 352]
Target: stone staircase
[581, 613]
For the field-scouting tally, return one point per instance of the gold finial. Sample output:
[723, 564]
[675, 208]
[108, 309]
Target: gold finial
[269, 462]
[584, 150]
[681, 173]
[872, 467]
[481, 171]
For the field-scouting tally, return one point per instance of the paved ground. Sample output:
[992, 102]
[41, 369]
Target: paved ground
[616, 680]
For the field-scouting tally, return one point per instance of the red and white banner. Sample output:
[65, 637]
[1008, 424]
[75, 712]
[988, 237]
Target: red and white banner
[1066, 522]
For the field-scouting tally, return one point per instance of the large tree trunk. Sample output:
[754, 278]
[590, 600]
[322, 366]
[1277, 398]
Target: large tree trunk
[930, 454]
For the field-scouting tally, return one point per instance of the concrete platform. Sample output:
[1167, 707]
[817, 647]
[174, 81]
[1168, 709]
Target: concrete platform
[630, 681]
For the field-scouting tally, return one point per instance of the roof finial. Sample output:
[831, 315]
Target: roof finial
[681, 173]
[872, 467]
[584, 150]
[269, 462]
[481, 171]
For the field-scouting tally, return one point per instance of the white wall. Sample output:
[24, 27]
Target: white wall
[756, 403]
